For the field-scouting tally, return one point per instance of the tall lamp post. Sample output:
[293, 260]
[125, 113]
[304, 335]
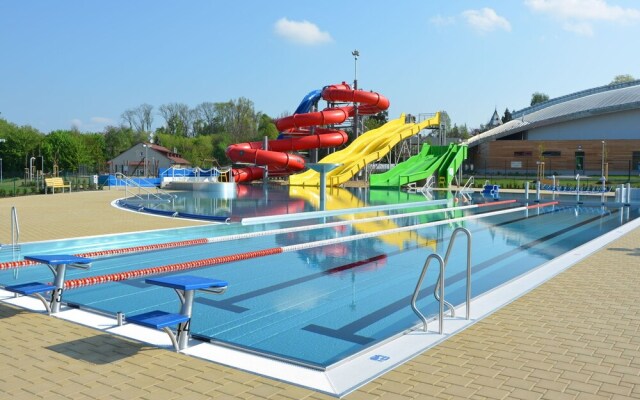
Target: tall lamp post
[145, 159]
[1, 141]
[355, 55]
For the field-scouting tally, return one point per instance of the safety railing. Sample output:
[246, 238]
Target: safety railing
[467, 186]
[440, 284]
[159, 194]
[416, 292]
[446, 260]
[15, 228]
[429, 184]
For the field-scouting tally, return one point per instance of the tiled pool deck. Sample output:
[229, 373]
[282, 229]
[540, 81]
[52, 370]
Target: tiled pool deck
[575, 337]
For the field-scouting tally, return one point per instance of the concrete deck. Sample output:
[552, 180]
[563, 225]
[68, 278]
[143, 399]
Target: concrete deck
[575, 337]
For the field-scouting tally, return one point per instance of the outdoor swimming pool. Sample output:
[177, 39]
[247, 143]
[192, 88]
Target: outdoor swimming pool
[319, 304]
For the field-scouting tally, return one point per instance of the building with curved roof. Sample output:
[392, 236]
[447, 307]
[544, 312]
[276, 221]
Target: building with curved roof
[588, 133]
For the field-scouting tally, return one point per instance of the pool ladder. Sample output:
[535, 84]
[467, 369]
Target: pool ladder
[438, 291]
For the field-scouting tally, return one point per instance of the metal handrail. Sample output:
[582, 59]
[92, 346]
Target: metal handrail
[446, 260]
[15, 227]
[414, 298]
[130, 182]
[428, 185]
[467, 185]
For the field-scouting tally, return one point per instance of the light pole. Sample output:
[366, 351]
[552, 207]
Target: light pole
[1, 141]
[355, 55]
[145, 159]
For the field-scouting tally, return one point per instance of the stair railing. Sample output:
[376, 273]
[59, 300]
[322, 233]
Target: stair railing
[446, 260]
[128, 182]
[15, 228]
[416, 292]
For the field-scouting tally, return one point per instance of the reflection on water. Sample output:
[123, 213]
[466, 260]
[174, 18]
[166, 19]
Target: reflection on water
[260, 200]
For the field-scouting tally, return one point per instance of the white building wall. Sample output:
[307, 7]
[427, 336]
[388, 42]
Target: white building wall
[618, 125]
[125, 162]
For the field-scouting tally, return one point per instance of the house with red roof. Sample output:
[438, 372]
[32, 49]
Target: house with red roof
[146, 159]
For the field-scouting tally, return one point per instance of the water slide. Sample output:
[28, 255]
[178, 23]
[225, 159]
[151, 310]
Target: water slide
[369, 147]
[452, 162]
[443, 160]
[297, 135]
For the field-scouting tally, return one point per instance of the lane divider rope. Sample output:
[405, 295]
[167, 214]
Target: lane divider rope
[120, 276]
[248, 235]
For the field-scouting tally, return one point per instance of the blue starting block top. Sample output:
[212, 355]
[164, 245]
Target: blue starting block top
[30, 288]
[158, 319]
[56, 259]
[187, 282]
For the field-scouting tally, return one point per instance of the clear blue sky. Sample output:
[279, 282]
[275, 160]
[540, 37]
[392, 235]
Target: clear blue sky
[82, 63]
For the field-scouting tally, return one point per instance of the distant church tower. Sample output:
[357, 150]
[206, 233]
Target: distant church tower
[495, 120]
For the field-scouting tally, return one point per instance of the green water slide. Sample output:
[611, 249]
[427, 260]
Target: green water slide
[416, 168]
[451, 163]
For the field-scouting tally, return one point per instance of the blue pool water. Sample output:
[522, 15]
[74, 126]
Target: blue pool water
[320, 305]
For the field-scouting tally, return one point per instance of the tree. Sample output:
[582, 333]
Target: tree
[93, 147]
[241, 120]
[64, 149]
[220, 143]
[177, 117]
[538, 97]
[376, 120]
[622, 79]
[459, 132]
[267, 128]
[205, 119]
[117, 140]
[140, 118]
[21, 143]
[507, 116]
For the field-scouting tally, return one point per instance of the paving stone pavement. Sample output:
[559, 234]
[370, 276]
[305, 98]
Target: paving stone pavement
[575, 337]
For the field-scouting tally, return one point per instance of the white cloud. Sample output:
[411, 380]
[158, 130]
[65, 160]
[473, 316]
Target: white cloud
[301, 32]
[486, 20]
[578, 16]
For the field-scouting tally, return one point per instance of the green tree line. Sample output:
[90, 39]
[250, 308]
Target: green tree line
[200, 134]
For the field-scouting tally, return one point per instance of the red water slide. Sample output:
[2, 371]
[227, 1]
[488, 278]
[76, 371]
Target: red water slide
[277, 157]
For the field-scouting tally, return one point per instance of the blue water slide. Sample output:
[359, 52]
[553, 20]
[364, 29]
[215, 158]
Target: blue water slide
[308, 101]
[306, 104]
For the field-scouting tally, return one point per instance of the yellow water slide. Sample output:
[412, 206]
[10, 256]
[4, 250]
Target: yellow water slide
[339, 199]
[369, 147]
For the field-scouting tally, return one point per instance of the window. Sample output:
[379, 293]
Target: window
[522, 154]
[551, 153]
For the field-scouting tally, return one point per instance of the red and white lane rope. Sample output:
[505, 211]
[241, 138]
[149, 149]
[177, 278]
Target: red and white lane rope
[112, 252]
[248, 235]
[120, 276]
